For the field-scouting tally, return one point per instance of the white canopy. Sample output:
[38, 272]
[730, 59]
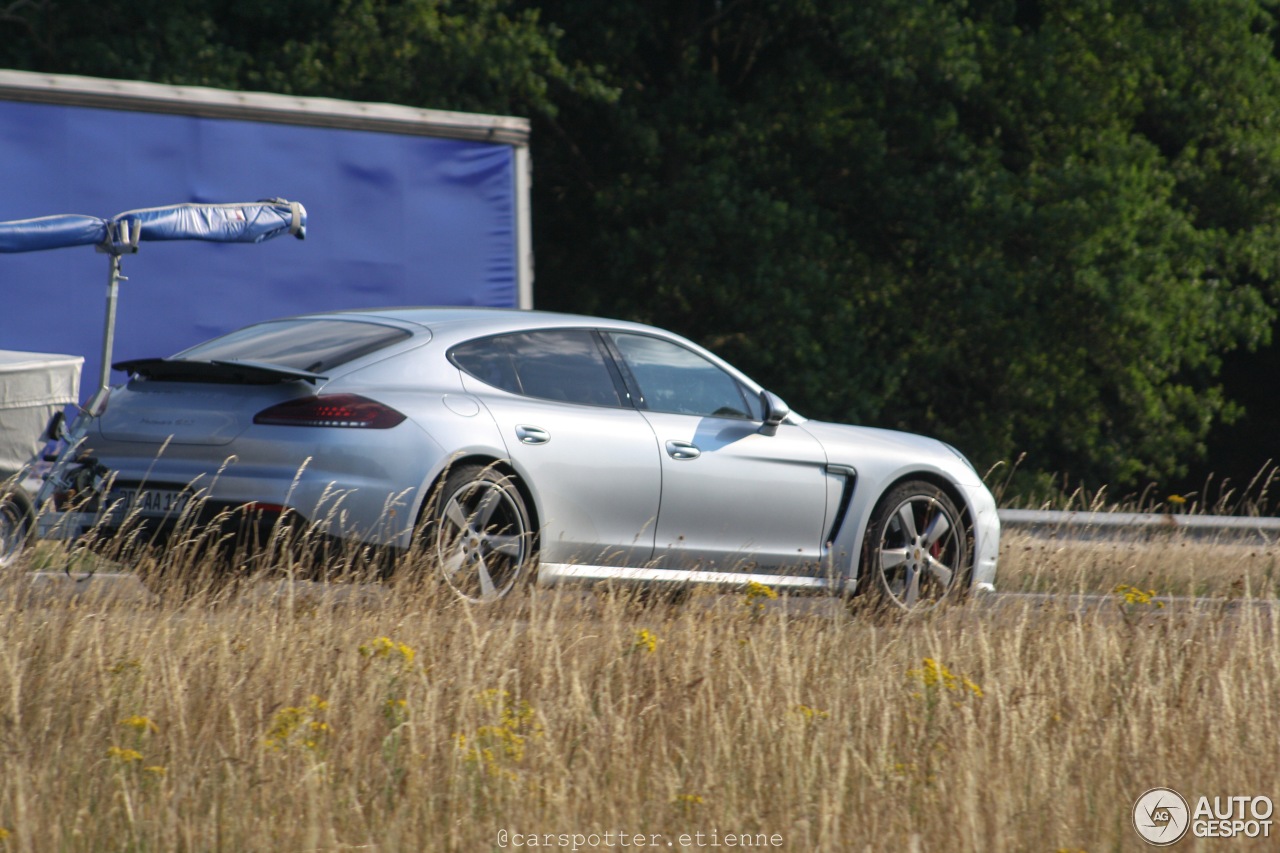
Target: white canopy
[33, 386]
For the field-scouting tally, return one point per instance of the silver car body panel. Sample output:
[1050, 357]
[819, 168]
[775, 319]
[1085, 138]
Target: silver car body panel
[884, 458]
[734, 499]
[617, 492]
[594, 471]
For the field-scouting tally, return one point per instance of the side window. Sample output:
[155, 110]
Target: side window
[558, 364]
[678, 380]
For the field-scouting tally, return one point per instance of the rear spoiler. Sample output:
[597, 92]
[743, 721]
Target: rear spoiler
[216, 370]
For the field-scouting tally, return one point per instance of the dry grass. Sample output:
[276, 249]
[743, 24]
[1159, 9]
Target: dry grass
[1013, 487]
[404, 720]
[1170, 564]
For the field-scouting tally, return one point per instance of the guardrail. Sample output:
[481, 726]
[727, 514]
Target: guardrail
[1088, 525]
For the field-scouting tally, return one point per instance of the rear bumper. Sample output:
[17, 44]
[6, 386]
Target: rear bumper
[237, 533]
[207, 520]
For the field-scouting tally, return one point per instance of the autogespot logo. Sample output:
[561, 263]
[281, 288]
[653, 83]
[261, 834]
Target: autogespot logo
[1161, 816]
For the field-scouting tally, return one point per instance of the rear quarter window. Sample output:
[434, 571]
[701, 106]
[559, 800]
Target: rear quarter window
[566, 365]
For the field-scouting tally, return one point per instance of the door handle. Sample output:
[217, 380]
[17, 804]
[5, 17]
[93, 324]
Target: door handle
[682, 450]
[532, 434]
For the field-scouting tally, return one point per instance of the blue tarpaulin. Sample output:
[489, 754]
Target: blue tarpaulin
[397, 219]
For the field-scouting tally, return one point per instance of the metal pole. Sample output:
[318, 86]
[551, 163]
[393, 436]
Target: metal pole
[56, 479]
[524, 228]
[118, 243]
[109, 334]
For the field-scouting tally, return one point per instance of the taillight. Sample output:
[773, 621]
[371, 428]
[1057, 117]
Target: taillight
[331, 410]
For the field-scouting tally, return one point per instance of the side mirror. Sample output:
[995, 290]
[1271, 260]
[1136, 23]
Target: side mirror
[775, 412]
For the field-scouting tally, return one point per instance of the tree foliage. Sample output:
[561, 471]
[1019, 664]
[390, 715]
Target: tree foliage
[482, 55]
[1021, 225]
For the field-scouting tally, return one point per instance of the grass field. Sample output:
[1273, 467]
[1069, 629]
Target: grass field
[1174, 565]
[416, 723]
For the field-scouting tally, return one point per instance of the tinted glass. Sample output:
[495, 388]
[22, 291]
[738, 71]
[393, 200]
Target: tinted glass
[678, 380]
[562, 364]
[312, 345]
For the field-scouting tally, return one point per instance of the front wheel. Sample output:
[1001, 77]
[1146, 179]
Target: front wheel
[916, 552]
[479, 533]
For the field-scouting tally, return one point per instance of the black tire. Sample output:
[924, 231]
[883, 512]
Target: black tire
[916, 552]
[17, 526]
[478, 533]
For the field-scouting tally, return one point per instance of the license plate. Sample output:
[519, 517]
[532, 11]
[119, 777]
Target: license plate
[152, 501]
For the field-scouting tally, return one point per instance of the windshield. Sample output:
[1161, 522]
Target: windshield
[311, 345]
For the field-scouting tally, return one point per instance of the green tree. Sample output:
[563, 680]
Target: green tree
[1019, 226]
[481, 55]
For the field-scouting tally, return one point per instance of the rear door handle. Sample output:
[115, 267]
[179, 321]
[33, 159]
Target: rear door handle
[682, 450]
[532, 434]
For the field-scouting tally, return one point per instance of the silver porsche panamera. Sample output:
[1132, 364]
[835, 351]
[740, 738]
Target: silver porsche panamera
[516, 445]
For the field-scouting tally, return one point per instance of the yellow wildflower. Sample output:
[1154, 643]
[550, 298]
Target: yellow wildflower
[299, 724]
[646, 641]
[757, 594]
[936, 675]
[810, 714]
[139, 723]
[385, 647]
[124, 756]
[1134, 595]
[496, 746]
[687, 802]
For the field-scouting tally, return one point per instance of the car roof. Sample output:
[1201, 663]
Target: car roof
[456, 322]
[449, 326]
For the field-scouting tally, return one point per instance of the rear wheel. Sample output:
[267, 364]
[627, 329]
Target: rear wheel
[916, 552]
[17, 522]
[479, 533]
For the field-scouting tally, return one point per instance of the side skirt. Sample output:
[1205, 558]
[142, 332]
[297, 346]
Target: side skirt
[555, 574]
